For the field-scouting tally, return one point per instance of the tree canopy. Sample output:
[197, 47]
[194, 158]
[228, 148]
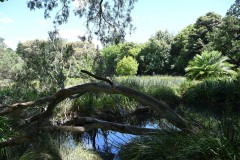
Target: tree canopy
[106, 19]
[193, 39]
[155, 55]
[234, 10]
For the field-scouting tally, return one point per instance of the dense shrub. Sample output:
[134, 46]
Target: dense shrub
[218, 95]
[127, 66]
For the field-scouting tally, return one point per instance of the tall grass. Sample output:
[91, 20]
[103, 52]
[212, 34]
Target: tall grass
[217, 95]
[219, 142]
[78, 153]
[144, 83]
[164, 88]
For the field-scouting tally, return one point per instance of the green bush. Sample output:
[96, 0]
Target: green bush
[209, 64]
[217, 95]
[127, 66]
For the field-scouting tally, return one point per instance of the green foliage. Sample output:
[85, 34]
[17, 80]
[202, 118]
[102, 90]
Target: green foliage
[234, 10]
[147, 83]
[6, 133]
[11, 63]
[155, 55]
[84, 56]
[180, 49]
[127, 66]
[38, 57]
[110, 55]
[4, 126]
[209, 64]
[114, 53]
[154, 58]
[163, 36]
[111, 20]
[51, 63]
[163, 88]
[165, 94]
[226, 39]
[193, 40]
[163, 145]
[216, 95]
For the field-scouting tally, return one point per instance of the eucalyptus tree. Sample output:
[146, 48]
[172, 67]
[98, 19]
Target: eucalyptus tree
[106, 19]
[10, 63]
[52, 63]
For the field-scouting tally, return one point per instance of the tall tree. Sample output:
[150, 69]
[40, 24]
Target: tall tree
[179, 49]
[195, 38]
[104, 18]
[52, 63]
[154, 57]
[226, 39]
[234, 10]
[10, 63]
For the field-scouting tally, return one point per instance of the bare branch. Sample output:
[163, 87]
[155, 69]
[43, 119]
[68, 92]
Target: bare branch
[98, 77]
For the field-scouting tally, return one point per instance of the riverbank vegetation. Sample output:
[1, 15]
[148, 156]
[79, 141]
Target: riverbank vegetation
[57, 95]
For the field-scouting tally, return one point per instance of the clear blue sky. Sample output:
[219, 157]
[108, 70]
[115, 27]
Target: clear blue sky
[18, 23]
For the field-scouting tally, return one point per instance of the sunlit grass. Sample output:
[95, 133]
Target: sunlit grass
[78, 153]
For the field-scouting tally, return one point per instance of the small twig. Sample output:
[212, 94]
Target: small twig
[97, 77]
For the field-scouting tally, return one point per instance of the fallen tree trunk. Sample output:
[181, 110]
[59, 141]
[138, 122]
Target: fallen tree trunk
[90, 123]
[85, 124]
[160, 107]
[81, 125]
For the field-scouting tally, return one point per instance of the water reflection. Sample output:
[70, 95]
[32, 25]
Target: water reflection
[106, 143]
